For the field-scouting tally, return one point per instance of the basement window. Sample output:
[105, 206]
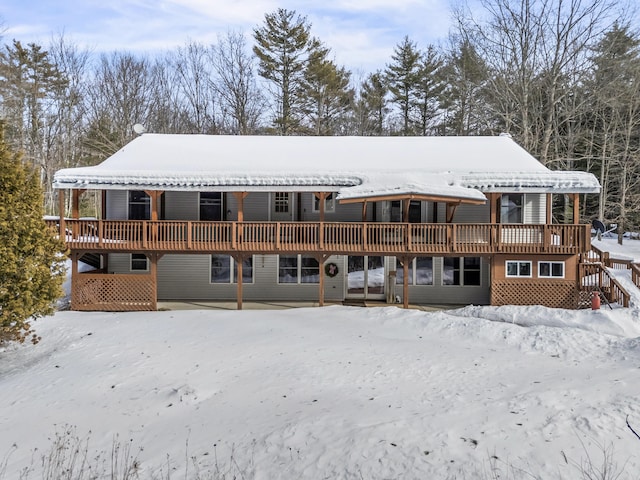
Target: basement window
[518, 268]
[551, 269]
[139, 262]
[224, 268]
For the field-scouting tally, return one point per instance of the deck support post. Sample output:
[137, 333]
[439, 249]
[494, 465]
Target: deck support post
[576, 208]
[153, 271]
[75, 209]
[405, 280]
[239, 259]
[549, 219]
[321, 258]
[61, 209]
[74, 278]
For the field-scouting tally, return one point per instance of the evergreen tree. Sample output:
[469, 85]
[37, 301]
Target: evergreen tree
[402, 76]
[371, 107]
[428, 90]
[282, 47]
[464, 97]
[326, 93]
[31, 259]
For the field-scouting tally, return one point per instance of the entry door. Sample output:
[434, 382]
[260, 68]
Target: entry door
[281, 207]
[366, 277]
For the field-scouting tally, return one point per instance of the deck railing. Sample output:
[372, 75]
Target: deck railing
[330, 237]
[595, 278]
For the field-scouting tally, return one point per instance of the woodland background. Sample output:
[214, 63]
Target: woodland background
[562, 77]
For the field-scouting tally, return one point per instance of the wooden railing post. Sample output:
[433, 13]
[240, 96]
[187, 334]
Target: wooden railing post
[234, 233]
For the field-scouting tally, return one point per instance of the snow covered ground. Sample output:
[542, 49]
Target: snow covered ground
[334, 392]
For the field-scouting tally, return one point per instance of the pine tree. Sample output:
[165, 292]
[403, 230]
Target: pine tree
[402, 77]
[371, 107]
[282, 47]
[31, 259]
[429, 88]
[326, 92]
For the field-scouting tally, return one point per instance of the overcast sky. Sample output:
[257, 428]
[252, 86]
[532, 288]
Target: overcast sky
[361, 33]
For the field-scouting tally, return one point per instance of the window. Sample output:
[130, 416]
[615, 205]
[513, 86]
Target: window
[281, 202]
[139, 205]
[511, 208]
[211, 206]
[461, 271]
[420, 272]
[329, 203]
[223, 268]
[139, 262]
[298, 269]
[515, 268]
[415, 211]
[551, 269]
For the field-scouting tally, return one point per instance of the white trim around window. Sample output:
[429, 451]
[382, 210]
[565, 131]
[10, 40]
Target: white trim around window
[518, 269]
[550, 269]
[223, 270]
[298, 269]
[138, 262]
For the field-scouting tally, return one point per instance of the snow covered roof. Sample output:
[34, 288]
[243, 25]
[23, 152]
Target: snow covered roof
[356, 167]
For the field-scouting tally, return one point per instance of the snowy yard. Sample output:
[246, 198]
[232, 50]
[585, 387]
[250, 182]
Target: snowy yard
[334, 392]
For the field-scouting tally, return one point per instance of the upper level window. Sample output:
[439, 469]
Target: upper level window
[511, 208]
[329, 203]
[210, 206]
[139, 205]
[415, 211]
[281, 202]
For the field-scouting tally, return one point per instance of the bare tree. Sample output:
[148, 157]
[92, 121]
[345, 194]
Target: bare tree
[236, 85]
[194, 75]
[120, 95]
[532, 49]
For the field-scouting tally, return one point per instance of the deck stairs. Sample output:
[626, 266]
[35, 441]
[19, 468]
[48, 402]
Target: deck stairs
[616, 281]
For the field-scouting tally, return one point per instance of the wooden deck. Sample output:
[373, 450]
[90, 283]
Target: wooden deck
[353, 238]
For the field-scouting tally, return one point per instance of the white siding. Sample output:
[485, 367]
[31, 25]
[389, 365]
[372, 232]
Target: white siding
[535, 209]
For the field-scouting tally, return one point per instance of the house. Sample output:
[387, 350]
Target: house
[422, 219]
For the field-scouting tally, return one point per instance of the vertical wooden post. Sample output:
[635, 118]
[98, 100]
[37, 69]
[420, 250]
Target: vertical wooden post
[153, 271]
[549, 219]
[321, 259]
[61, 208]
[75, 211]
[74, 279]
[576, 208]
[239, 260]
[405, 282]
[493, 207]
[364, 211]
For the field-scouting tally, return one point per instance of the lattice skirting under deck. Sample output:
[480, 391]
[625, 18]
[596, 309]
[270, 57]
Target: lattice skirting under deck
[554, 294]
[113, 293]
